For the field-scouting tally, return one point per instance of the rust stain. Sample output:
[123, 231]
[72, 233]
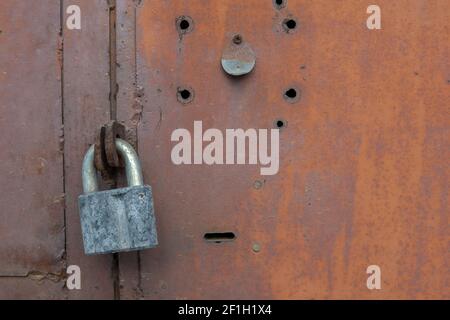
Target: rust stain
[362, 178]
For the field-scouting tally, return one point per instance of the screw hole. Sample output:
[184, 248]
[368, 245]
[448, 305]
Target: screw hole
[280, 124]
[185, 95]
[289, 24]
[292, 94]
[279, 4]
[184, 24]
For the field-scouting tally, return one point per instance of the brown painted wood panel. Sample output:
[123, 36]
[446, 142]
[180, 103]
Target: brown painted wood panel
[86, 109]
[31, 191]
[363, 177]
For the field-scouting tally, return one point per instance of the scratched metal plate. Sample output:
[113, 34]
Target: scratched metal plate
[363, 177]
[31, 188]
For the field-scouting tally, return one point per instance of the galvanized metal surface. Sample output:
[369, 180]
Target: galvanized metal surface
[364, 174]
[118, 220]
[88, 172]
[133, 170]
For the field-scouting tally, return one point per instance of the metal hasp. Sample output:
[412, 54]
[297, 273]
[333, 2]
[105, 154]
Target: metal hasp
[238, 57]
[117, 220]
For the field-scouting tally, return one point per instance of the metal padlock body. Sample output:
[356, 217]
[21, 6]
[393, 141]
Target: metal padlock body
[117, 220]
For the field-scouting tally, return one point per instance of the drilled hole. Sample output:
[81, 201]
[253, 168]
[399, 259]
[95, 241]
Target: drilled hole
[279, 4]
[289, 24]
[280, 124]
[219, 237]
[184, 24]
[291, 93]
[185, 95]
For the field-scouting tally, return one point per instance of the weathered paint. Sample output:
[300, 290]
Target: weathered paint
[129, 110]
[86, 109]
[31, 170]
[364, 173]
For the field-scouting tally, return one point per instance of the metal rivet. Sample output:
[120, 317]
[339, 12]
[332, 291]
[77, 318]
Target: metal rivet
[237, 39]
[257, 185]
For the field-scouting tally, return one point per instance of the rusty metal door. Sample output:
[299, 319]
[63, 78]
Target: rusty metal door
[364, 147]
[31, 222]
[363, 177]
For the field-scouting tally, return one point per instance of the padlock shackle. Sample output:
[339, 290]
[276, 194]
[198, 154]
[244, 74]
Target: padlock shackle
[133, 168]
[130, 158]
[88, 172]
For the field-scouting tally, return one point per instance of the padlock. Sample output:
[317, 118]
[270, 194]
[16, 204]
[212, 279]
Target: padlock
[117, 220]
